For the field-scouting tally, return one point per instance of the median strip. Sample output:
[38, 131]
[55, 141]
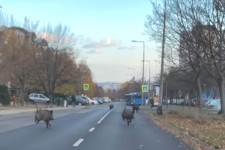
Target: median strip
[78, 142]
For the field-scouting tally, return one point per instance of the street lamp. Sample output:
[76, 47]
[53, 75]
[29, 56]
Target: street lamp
[133, 77]
[149, 77]
[143, 67]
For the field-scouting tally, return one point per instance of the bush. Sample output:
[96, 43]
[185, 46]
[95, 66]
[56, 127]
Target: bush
[4, 95]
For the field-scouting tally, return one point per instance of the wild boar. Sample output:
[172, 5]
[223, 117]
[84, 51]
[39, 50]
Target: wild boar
[128, 115]
[159, 110]
[135, 108]
[44, 115]
[111, 106]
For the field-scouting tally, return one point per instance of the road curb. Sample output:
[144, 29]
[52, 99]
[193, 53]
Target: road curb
[184, 136]
[19, 111]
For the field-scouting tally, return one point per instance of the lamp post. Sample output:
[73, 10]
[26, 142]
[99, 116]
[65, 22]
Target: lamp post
[149, 77]
[133, 76]
[143, 70]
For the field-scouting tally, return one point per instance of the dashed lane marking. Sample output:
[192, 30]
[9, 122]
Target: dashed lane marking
[78, 142]
[92, 129]
[104, 117]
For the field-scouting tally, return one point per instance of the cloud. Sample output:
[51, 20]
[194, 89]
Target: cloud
[94, 51]
[127, 48]
[103, 43]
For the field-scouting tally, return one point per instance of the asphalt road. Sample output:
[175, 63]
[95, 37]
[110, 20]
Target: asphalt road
[95, 128]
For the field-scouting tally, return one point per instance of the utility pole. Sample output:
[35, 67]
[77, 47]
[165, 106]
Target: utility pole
[149, 78]
[166, 97]
[143, 70]
[162, 57]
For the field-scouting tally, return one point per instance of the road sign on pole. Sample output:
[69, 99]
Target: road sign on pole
[86, 87]
[144, 88]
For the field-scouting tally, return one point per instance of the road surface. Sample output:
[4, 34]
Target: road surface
[96, 128]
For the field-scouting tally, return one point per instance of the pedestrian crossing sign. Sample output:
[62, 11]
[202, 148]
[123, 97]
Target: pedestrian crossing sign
[86, 87]
[144, 88]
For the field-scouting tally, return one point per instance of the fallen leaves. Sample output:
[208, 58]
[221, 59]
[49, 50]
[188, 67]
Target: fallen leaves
[211, 132]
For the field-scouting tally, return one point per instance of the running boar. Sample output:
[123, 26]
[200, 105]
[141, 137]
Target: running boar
[111, 106]
[159, 110]
[45, 115]
[135, 108]
[128, 115]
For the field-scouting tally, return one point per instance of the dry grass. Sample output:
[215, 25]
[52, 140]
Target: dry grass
[209, 128]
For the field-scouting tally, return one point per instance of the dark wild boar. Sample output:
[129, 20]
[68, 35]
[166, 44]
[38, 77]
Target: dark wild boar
[111, 106]
[135, 108]
[128, 115]
[44, 115]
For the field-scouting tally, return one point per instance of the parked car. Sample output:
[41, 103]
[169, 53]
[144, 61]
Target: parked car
[207, 103]
[106, 100]
[38, 98]
[214, 105]
[99, 101]
[93, 102]
[89, 101]
[80, 100]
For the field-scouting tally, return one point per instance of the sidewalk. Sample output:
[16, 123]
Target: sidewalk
[18, 109]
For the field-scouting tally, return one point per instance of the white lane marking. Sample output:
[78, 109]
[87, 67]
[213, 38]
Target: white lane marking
[78, 142]
[104, 117]
[92, 129]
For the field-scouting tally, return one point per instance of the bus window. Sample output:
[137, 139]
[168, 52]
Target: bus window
[137, 95]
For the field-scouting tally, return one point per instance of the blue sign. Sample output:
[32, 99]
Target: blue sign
[144, 88]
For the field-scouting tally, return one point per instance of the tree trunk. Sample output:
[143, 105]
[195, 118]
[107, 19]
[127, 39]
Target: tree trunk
[200, 93]
[184, 102]
[189, 104]
[222, 97]
[22, 94]
[189, 100]
[51, 96]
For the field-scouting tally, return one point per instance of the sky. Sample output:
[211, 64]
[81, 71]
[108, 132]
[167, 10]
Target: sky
[104, 31]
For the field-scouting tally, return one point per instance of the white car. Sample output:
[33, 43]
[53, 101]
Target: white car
[106, 100]
[38, 98]
[214, 105]
[91, 101]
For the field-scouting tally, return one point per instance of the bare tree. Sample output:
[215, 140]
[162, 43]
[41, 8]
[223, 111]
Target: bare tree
[10, 21]
[99, 92]
[84, 75]
[59, 37]
[52, 69]
[55, 62]
[196, 30]
[17, 62]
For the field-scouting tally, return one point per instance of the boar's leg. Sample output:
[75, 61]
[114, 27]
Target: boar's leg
[123, 118]
[36, 120]
[128, 122]
[47, 124]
